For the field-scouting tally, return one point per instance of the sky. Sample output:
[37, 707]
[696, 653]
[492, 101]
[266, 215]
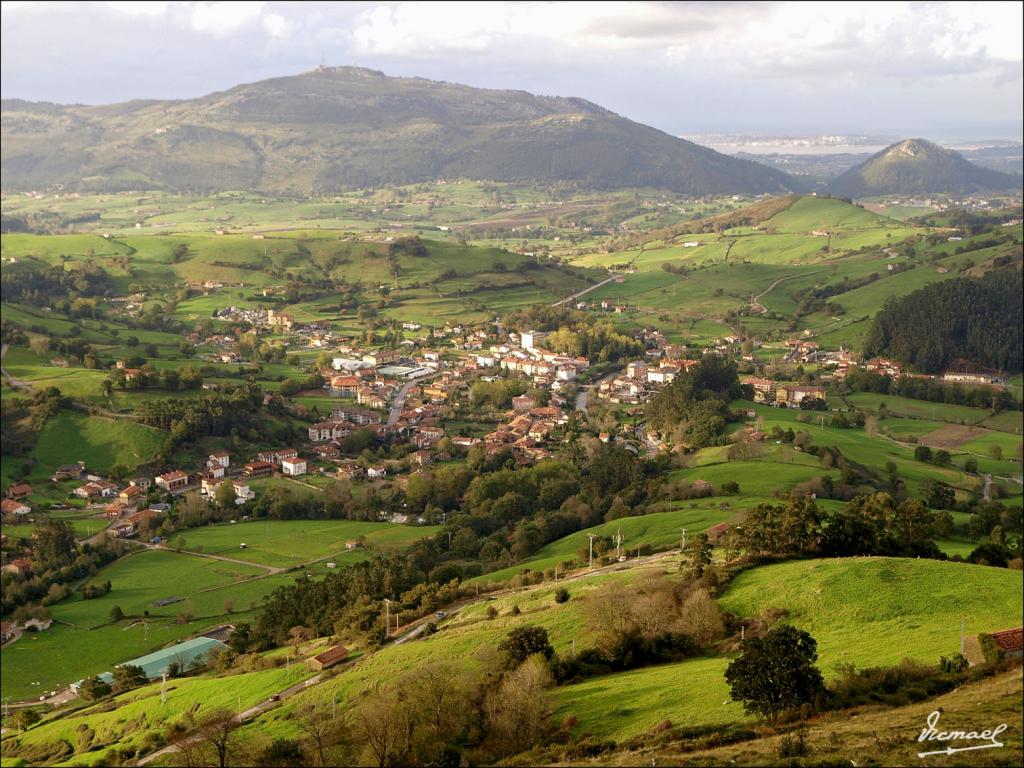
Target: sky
[945, 71]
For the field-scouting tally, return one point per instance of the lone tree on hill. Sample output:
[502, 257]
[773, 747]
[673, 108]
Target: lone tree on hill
[524, 642]
[776, 672]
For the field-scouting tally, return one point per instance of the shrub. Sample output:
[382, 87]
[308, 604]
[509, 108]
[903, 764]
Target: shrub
[793, 745]
[562, 595]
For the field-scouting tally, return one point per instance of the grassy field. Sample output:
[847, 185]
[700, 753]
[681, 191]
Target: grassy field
[284, 543]
[874, 611]
[40, 661]
[141, 711]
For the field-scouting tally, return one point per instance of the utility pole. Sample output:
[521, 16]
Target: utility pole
[163, 687]
[387, 616]
[962, 627]
[618, 543]
[590, 563]
[682, 540]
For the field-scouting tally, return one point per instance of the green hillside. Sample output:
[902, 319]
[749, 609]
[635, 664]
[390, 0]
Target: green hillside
[336, 128]
[874, 611]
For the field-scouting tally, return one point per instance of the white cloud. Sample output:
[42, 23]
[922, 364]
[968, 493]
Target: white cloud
[897, 38]
[277, 26]
[224, 18]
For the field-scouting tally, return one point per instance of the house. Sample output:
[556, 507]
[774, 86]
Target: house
[345, 386]
[19, 491]
[531, 339]
[764, 389]
[242, 492]
[427, 436]
[221, 458]
[115, 510]
[278, 455]
[637, 370]
[95, 488]
[279, 320]
[377, 472]
[69, 472]
[420, 458]
[215, 472]
[1009, 642]
[123, 530]
[7, 631]
[175, 480]
[328, 658]
[259, 469]
[209, 483]
[349, 470]
[702, 487]
[131, 496]
[293, 467]
[141, 482]
[717, 532]
[13, 507]
[328, 452]
[523, 403]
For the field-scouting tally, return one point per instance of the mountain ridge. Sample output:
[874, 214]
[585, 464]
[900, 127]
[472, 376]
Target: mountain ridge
[342, 127]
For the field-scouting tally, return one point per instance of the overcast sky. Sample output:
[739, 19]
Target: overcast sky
[938, 70]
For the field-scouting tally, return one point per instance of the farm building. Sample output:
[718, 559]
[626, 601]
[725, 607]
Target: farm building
[156, 663]
[328, 658]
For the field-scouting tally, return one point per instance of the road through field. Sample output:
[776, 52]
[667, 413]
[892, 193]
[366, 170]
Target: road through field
[584, 292]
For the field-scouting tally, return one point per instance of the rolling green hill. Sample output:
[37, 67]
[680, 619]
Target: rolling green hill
[916, 166]
[337, 128]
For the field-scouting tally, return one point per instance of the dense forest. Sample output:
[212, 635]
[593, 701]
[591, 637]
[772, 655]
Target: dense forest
[974, 319]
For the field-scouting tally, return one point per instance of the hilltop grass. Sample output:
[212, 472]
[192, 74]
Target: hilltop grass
[99, 442]
[875, 610]
[888, 734]
[658, 530]
[285, 543]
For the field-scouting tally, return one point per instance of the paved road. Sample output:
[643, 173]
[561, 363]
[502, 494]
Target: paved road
[584, 292]
[396, 409]
[10, 379]
[248, 714]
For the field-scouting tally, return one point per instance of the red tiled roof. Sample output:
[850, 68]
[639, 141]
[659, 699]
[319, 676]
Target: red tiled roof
[331, 655]
[1009, 639]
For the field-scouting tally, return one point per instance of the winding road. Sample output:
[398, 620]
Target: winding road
[755, 303]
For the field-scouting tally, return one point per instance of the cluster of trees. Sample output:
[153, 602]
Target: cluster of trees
[220, 413]
[975, 319]
[40, 285]
[873, 524]
[597, 341]
[57, 560]
[172, 379]
[932, 390]
[693, 409]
